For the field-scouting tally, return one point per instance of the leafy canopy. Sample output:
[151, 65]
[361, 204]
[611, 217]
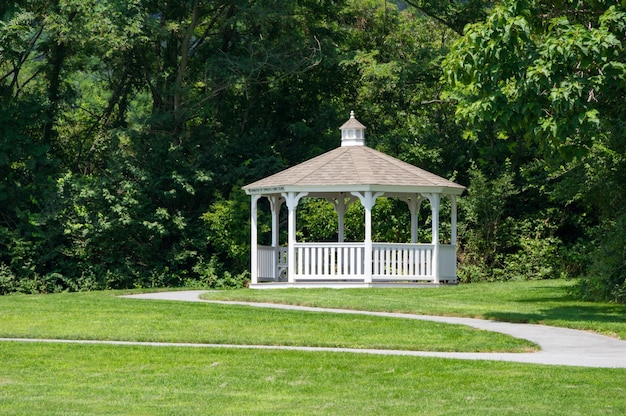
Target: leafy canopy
[546, 71]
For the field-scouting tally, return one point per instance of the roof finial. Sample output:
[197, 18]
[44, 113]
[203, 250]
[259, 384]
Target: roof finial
[352, 114]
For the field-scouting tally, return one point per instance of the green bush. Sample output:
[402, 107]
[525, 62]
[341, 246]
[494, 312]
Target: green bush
[8, 281]
[213, 275]
[496, 243]
[606, 276]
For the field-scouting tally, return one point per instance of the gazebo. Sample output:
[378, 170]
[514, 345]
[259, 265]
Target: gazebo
[341, 176]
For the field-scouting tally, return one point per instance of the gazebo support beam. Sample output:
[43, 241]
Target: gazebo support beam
[341, 204]
[414, 202]
[453, 219]
[254, 263]
[275, 203]
[435, 204]
[292, 199]
[340, 207]
[368, 199]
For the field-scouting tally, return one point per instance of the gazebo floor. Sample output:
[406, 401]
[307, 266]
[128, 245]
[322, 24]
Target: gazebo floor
[346, 285]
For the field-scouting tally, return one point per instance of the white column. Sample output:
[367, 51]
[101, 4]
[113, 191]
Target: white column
[254, 266]
[341, 204]
[368, 199]
[414, 202]
[275, 203]
[340, 207]
[453, 220]
[292, 199]
[435, 203]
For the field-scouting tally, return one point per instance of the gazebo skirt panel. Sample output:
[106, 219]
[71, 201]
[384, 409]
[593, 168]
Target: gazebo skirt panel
[333, 262]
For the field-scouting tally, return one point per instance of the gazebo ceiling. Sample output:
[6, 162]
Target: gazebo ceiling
[354, 168]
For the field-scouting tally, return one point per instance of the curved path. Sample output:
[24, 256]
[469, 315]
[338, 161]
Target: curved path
[559, 346]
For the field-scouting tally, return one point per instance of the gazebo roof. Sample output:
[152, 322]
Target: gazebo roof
[353, 167]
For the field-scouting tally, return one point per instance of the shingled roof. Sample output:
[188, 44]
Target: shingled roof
[354, 168]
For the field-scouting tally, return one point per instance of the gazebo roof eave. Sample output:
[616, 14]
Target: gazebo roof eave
[338, 189]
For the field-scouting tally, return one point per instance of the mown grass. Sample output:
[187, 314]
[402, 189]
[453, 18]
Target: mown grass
[71, 379]
[55, 379]
[105, 316]
[546, 301]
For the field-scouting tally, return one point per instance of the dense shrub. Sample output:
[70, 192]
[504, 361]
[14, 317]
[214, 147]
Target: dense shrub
[606, 276]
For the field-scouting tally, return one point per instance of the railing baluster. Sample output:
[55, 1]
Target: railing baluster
[376, 259]
[403, 270]
[326, 270]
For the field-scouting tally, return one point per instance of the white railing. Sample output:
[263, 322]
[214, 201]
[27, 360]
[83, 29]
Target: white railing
[402, 261]
[272, 262]
[329, 261]
[346, 261]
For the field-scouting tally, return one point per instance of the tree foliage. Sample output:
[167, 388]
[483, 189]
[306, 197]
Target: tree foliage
[553, 74]
[547, 74]
[128, 127]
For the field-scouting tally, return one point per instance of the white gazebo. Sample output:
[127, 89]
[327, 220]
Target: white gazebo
[341, 176]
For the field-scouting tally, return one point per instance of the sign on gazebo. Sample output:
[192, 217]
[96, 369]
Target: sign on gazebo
[352, 172]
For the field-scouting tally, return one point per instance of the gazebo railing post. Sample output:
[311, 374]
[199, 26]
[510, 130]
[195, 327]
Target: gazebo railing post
[453, 236]
[254, 249]
[368, 199]
[435, 203]
[414, 202]
[292, 199]
[275, 203]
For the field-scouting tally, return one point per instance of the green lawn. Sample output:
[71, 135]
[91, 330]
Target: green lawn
[45, 379]
[105, 316]
[545, 301]
[71, 379]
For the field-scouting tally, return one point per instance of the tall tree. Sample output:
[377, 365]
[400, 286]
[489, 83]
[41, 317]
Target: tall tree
[554, 75]
[141, 111]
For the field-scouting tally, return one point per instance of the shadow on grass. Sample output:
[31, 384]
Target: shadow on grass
[584, 313]
[565, 308]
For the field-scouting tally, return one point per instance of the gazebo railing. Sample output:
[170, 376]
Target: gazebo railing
[393, 261]
[345, 261]
[322, 261]
[447, 263]
[272, 262]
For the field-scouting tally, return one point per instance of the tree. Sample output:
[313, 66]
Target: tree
[137, 116]
[453, 14]
[554, 75]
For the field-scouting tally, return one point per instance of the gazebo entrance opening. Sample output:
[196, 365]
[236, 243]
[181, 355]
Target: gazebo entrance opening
[344, 176]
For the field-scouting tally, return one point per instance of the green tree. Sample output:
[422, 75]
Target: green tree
[553, 75]
[454, 14]
[136, 115]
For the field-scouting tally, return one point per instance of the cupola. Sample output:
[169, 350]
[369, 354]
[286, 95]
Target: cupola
[352, 132]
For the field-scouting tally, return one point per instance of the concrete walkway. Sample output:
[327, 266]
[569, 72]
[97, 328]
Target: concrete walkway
[559, 346]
